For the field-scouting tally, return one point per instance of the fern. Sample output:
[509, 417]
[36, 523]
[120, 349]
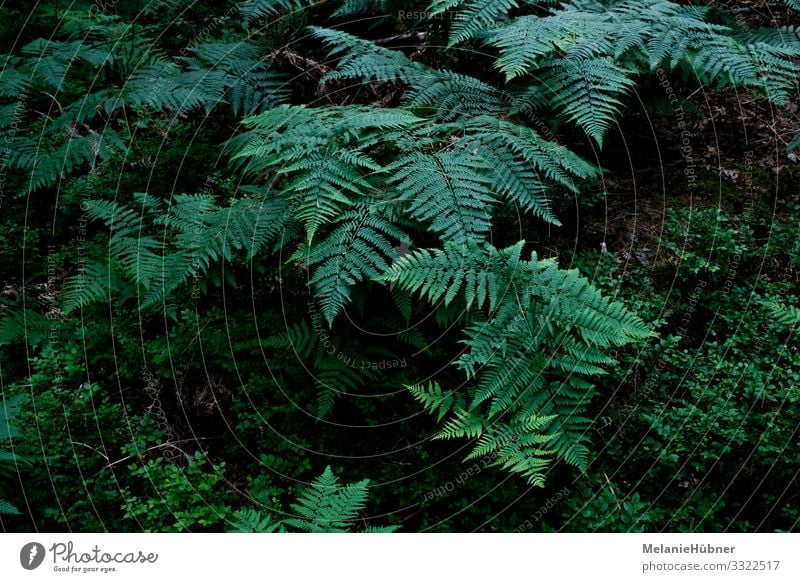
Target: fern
[362, 59]
[589, 91]
[51, 158]
[455, 96]
[358, 249]
[333, 376]
[323, 154]
[327, 506]
[323, 506]
[351, 7]
[9, 461]
[194, 235]
[251, 520]
[434, 399]
[477, 275]
[784, 314]
[586, 54]
[475, 16]
[250, 85]
[332, 164]
[544, 334]
[252, 10]
[524, 166]
[28, 326]
[450, 190]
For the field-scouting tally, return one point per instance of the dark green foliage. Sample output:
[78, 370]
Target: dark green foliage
[9, 461]
[322, 506]
[543, 337]
[242, 239]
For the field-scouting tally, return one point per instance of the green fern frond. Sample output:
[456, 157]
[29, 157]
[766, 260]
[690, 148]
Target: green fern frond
[28, 326]
[784, 314]
[523, 164]
[455, 95]
[362, 59]
[93, 283]
[251, 520]
[475, 16]
[358, 248]
[351, 7]
[589, 91]
[464, 424]
[524, 42]
[335, 378]
[252, 10]
[300, 339]
[327, 506]
[194, 234]
[449, 190]
[8, 459]
[478, 273]
[433, 399]
[531, 356]
[7, 509]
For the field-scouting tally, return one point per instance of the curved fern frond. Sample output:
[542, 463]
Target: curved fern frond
[542, 338]
[476, 16]
[524, 164]
[362, 59]
[477, 272]
[434, 399]
[784, 314]
[359, 248]
[449, 190]
[455, 96]
[589, 91]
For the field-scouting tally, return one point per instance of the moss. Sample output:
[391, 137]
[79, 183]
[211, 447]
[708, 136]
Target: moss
[745, 192]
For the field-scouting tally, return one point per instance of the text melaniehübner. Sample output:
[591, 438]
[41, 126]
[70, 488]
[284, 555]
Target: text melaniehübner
[690, 549]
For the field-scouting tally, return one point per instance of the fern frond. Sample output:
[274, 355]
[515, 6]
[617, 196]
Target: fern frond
[589, 91]
[455, 95]
[252, 10]
[93, 283]
[333, 379]
[784, 314]
[250, 520]
[359, 248]
[300, 339]
[362, 59]
[474, 17]
[524, 164]
[28, 326]
[524, 42]
[531, 356]
[449, 190]
[433, 399]
[464, 424]
[327, 506]
[351, 7]
[478, 273]
[7, 509]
